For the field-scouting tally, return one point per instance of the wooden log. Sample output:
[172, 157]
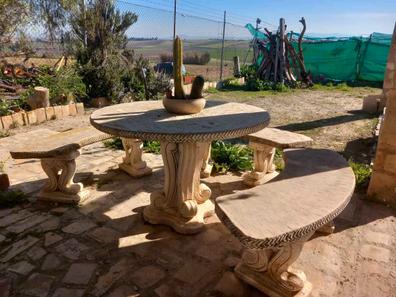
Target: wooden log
[40, 98]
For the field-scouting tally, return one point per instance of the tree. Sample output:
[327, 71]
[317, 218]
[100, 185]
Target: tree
[100, 42]
[54, 15]
[13, 14]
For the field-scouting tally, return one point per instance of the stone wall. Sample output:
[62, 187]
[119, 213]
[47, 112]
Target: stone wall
[40, 115]
[383, 182]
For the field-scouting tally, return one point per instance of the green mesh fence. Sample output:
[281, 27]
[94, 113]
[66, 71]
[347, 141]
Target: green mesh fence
[346, 59]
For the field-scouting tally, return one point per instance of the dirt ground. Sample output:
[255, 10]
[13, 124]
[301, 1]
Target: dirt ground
[333, 118]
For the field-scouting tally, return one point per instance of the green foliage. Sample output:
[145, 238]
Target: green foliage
[153, 147]
[114, 143]
[212, 91]
[107, 67]
[64, 85]
[148, 146]
[231, 84]
[362, 174]
[231, 157]
[278, 160]
[248, 71]
[256, 84]
[11, 198]
[8, 107]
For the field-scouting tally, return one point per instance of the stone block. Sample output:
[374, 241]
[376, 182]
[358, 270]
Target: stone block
[50, 113]
[148, 276]
[371, 103]
[58, 112]
[40, 114]
[65, 110]
[18, 119]
[72, 109]
[31, 116]
[6, 122]
[79, 273]
[80, 108]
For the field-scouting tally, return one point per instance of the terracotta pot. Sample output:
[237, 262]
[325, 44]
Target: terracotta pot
[188, 79]
[185, 106]
[4, 182]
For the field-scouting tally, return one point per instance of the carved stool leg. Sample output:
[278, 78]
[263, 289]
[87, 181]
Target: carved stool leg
[132, 162]
[60, 186]
[327, 229]
[184, 202]
[263, 165]
[269, 270]
[207, 165]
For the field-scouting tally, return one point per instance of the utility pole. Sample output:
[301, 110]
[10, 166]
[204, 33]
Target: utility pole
[174, 20]
[222, 46]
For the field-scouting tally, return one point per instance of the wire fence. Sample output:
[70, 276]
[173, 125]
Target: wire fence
[201, 28]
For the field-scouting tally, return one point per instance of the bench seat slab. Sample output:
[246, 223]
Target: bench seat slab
[280, 138]
[133, 163]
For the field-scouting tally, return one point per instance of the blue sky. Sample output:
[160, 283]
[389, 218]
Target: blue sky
[324, 17]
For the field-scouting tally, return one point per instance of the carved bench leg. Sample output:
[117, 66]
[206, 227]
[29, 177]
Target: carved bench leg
[264, 169]
[60, 186]
[132, 162]
[269, 270]
[207, 165]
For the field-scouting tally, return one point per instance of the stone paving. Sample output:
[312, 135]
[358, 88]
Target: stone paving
[103, 247]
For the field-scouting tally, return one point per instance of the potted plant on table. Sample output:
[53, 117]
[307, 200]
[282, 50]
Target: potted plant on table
[180, 103]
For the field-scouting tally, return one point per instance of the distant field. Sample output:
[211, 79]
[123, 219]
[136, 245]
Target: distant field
[153, 48]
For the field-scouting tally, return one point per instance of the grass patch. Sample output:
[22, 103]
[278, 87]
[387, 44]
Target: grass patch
[229, 157]
[12, 198]
[212, 91]
[362, 173]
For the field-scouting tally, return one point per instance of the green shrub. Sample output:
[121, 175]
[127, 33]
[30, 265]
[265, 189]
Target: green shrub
[229, 157]
[64, 85]
[212, 91]
[362, 174]
[153, 147]
[148, 146]
[256, 84]
[11, 198]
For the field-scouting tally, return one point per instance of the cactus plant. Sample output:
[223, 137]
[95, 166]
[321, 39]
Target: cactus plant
[198, 84]
[177, 68]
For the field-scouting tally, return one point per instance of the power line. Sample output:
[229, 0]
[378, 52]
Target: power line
[180, 13]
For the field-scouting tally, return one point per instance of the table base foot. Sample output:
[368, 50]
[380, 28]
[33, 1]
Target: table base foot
[253, 179]
[172, 218]
[134, 172]
[61, 197]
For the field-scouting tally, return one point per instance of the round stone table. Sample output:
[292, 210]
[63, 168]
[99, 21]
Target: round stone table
[185, 140]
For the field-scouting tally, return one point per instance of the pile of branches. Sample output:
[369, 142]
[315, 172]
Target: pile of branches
[281, 62]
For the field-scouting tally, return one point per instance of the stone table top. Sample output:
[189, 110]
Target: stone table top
[148, 120]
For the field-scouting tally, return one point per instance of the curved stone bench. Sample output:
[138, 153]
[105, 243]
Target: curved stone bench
[273, 220]
[264, 143]
[58, 153]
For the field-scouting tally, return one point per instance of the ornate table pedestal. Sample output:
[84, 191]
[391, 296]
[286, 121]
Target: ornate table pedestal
[184, 202]
[185, 142]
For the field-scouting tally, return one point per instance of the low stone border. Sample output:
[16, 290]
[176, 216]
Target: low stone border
[40, 115]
